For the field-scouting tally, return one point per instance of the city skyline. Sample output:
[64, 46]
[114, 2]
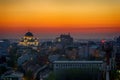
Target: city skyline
[14, 34]
[87, 19]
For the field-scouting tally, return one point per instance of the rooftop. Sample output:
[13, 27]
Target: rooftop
[78, 61]
[29, 34]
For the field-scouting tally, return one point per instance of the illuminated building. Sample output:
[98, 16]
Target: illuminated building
[29, 40]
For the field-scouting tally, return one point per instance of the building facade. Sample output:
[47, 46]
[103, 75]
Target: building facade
[91, 65]
[4, 47]
[10, 75]
[29, 40]
[64, 39]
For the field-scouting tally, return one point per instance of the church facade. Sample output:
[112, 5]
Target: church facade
[29, 40]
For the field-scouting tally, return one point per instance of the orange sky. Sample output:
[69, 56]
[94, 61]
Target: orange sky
[45, 18]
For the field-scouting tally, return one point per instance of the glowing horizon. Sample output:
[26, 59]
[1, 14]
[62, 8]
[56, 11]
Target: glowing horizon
[52, 17]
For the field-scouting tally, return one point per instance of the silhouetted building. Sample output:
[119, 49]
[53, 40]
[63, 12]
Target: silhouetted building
[117, 56]
[72, 53]
[47, 44]
[117, 59]
[118, 41]
[4, 47]
[11, 75]
[65, 39]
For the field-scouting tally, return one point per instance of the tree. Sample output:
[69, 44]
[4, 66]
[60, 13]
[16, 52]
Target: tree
[51, 76]
[2, 70]
[29, 75]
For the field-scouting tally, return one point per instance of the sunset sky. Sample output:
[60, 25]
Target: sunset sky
[87, 19]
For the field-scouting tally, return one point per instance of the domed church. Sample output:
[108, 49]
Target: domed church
[29, 40]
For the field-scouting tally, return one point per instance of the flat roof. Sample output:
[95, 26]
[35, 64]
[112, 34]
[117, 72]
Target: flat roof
[96, 62]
